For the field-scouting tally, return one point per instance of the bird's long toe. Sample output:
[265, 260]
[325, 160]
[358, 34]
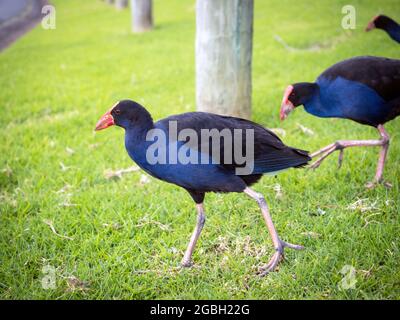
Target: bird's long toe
[317, 163]
[292, 246]
[277, 257]
[340, 159]
[186, 263]
[271, 265]
[373, 184]
[387, 184]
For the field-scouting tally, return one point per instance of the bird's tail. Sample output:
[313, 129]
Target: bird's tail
[304, 157]
[279, 160]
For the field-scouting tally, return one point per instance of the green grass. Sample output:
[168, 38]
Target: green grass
[54, 85]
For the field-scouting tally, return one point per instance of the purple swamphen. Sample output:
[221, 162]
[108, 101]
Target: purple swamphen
[387, 24]
[269, 155]
[363, 89]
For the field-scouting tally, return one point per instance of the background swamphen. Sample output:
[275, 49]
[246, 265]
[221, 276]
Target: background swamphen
[387, 24]
[363, 89]
[270, 155]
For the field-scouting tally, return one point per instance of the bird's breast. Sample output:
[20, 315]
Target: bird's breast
[342, 98]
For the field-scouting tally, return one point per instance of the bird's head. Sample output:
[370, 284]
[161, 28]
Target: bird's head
[378, 22]
[125, 114]
[296, 95]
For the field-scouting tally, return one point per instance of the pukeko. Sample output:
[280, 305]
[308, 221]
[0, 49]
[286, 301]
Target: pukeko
[385, 23]
[363, 89]
[198, 177]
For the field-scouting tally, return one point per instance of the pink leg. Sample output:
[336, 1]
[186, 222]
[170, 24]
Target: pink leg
[383, 153]
[323, 150]
[278, 243]
[342, 144]
[201, 219]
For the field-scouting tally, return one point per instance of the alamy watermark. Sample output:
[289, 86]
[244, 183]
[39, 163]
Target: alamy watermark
[49, 277]
[187, 147]
[349, 278]
[49, 19]
[349, 19]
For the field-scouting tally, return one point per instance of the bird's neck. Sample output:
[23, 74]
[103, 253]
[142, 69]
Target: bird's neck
[314, 103]
[135, 138]
[393, 29]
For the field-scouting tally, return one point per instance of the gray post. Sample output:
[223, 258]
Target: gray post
[121, 4]
[142, 17]
[224, 36]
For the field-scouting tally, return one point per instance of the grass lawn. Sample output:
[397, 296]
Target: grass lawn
[124, 238]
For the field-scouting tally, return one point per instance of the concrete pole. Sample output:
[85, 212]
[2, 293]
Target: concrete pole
[224, 37]
[142, 17]
[121, 4]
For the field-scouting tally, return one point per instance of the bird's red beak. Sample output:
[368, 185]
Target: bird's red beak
[371, 25]
[105, 121]
[286, 106]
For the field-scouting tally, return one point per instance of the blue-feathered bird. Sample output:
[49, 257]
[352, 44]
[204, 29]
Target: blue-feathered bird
[387, 24]
[363, 89]
[270, 155]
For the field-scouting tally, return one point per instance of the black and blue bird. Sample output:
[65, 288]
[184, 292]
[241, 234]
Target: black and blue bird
[363, 89]
[269, 155]
[387, 24]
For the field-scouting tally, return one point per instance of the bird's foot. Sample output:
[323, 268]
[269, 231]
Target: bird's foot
[340, 159]
[185, 263]
[316, 164]
[373, 184]
[326, 152]
[277, 257]
[387, 184]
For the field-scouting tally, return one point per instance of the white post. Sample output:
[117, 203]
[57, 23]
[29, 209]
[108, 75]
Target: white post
[142, 17]
[121, 4]
[224, 36]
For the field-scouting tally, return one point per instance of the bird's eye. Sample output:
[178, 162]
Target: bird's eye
[117, 111]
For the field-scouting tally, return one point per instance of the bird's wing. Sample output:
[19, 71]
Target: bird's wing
[394, 107]
[380, 74]
[270, 153]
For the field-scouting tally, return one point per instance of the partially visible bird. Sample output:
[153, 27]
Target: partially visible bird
[218, 175]
[363, 89]
[387, 24]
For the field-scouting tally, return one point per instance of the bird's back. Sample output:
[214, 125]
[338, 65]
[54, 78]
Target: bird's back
[270, 153]
[364, 89]
[380, 74]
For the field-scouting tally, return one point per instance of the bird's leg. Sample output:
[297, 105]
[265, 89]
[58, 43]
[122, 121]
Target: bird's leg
[201, 219]
[340, 160]
[279, 245]
[323, 150]
[382, 158]
[342, 144]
